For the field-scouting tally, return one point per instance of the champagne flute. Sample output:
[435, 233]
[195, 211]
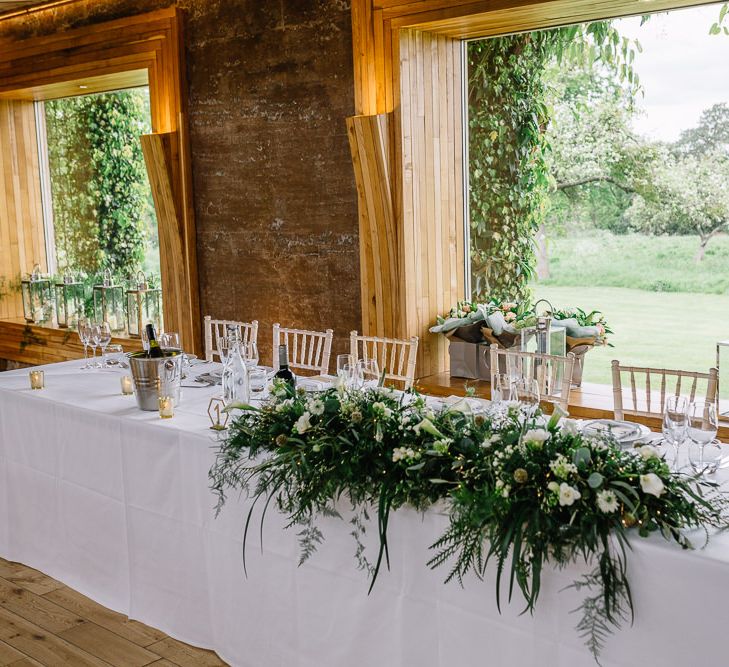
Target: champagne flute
[675, 422]
[82, 329]
[94, 338]
[104, 340]
[702, 427]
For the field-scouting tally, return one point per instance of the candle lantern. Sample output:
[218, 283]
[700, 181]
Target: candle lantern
[109, 304]
[69, 301]
[37, 297]
[144, 305]
[542, 337]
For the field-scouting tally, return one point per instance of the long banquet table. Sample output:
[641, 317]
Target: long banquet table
[114, 502]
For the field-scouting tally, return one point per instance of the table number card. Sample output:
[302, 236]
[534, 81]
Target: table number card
[218, 418]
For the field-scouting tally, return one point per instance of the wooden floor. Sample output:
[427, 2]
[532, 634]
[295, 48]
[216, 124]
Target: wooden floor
[43, 622]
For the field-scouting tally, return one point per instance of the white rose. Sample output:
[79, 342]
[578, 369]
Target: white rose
[652, 484]
[648, 452]
[303, 423]
[536, 436]
[568, 494]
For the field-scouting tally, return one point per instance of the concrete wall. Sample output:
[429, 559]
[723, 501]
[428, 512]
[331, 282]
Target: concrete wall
[270, 84]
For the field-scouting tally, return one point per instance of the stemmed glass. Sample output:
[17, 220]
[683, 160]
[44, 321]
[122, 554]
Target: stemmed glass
[526, 391]
[94, 339]
[675, 422]
[503, 389]
[368, 372]
[170, 339]
[702, 428]
[345, 369]
[250, 354]
[104, 339]
[84, 333]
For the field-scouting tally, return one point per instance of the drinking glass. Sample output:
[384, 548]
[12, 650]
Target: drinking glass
[170, 339]
[225, 345]
[706, 459]
[702, 425]
[675, 422]
[503, 388]
[104, 339]
[145, 339]
[249, 352]
[526, 391]
[368, 372]
[94, 338]
[257, 379]
[345, 365]
[114, 355]
[84, 332]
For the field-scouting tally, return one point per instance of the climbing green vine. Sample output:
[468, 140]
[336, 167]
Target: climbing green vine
[508, 116]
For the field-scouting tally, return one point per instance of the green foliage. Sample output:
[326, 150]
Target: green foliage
[719, 27]
[508, 117]
[517, 495]
[101, 199]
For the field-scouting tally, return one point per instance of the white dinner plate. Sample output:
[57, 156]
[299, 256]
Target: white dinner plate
[626, 433]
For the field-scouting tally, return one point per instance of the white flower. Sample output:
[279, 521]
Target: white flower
[505, 491]
[490, 441]
[499, 484]
[568, 494]
[652, 484]
[537, 436]
[382, 409]
[562, 468]
[553, 487]
[648, 452]
[606, 501]
[316, 407]
[284, 404]
[303, 423]
[570, 426]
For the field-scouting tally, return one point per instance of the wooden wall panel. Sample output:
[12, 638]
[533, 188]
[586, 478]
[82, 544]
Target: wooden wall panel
[22, 237]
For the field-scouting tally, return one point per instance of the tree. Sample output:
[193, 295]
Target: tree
[711, 134]
[690, 196]
[508, 146]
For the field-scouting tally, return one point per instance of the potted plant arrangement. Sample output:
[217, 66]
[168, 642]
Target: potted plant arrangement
[471, 327]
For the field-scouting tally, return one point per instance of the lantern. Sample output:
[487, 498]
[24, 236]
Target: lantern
[144, 305]
[69, 301]
[37, 297]
[109, 304]
[542, 337]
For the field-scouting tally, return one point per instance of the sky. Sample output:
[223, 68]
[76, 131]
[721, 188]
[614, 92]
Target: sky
[683, 70]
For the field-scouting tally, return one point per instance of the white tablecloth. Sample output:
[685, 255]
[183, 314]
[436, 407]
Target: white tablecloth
[114, 502]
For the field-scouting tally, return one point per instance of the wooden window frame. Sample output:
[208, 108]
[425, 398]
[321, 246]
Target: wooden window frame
[410, 189]
[145, 49]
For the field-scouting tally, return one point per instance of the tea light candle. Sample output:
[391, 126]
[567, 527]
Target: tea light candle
[126, 385]
[166, 407]
[36, 379]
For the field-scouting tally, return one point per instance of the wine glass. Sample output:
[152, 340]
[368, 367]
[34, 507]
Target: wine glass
[225, 345]
[115, 353]
[170, 339]
[526, 391]
[249, 351]
[94, 340]
[702, 426]
[502, 389]
[368, 372]
[104, 339]
[675, 422]
[345, 366]
[84, 332]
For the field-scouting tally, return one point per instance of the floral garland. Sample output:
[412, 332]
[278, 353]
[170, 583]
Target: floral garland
[520, 492]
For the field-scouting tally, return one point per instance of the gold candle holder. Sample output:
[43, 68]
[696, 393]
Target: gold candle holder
[36, 380]
[166, 407]
[127, 388]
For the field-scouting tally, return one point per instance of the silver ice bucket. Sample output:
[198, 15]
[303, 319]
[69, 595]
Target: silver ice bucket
[156, 377]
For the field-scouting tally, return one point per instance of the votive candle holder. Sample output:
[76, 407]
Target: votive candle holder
[37, 380]
[166, 407]
[127, 388]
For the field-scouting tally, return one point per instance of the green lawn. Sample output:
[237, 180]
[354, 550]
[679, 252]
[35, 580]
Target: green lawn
[651, 263]
[657, 329]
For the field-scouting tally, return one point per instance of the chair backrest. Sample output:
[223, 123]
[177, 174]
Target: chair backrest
[393, 355]
[214, 329]
[553, 373]
[308, 350]
[649, 388]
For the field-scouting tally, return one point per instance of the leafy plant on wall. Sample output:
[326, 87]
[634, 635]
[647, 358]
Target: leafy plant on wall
[101, 202]
[508, 117]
